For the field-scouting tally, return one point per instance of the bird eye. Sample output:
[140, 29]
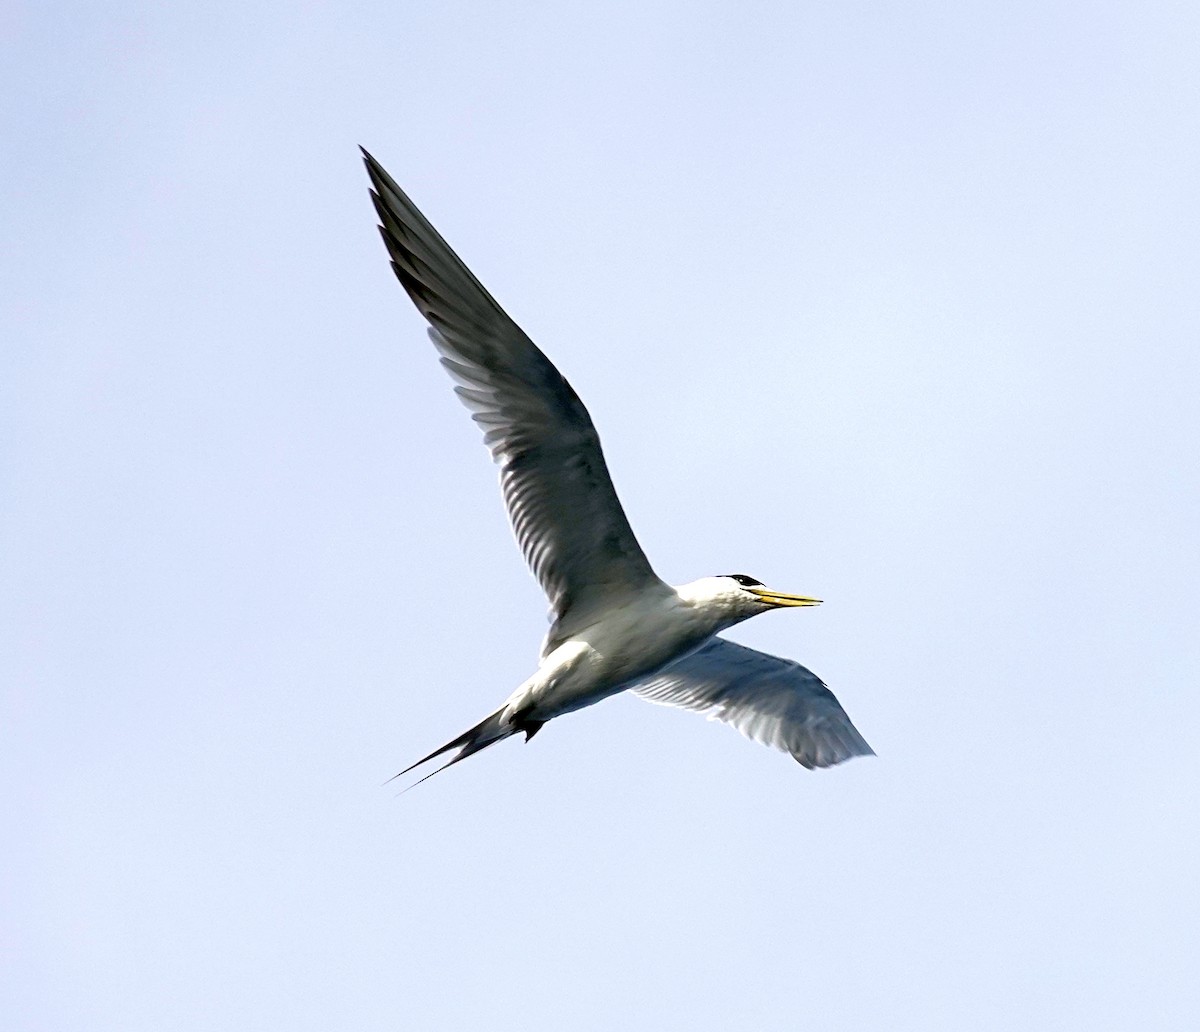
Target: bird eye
[744, 581]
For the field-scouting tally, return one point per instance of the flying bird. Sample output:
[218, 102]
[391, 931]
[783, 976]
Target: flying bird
[615, 626]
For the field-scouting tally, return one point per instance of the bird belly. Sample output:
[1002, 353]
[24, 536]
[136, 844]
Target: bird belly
[607, 658]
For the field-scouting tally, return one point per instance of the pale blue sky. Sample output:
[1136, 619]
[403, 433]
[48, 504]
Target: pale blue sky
[893, 304]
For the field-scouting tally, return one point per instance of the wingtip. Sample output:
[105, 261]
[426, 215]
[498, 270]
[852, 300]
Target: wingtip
[374, 169]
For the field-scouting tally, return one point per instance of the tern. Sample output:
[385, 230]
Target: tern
[615, 626]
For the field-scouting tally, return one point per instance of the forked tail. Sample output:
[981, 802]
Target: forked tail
[489, 731]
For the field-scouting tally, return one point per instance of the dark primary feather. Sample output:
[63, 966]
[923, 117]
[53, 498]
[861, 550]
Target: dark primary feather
[564, 510]
[771, 700]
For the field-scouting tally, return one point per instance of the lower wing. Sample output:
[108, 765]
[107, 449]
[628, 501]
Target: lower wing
[773, 701]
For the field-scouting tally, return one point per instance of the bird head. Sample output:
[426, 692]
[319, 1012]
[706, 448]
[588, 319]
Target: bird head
[754, 593]
[737, 596]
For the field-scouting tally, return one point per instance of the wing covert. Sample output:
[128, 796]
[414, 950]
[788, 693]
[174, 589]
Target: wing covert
[771, 700]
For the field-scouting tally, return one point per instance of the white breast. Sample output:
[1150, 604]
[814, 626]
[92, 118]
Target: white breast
[607, 656]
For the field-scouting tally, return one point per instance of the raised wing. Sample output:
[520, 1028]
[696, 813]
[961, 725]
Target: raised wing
[564, 511]
[771, 700]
